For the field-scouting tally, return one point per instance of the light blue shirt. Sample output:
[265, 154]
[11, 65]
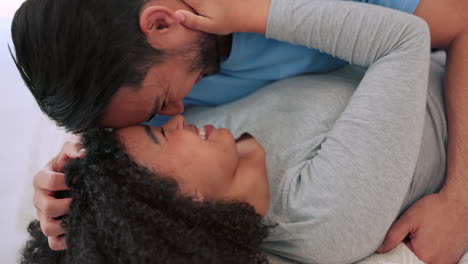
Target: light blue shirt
[256, 61]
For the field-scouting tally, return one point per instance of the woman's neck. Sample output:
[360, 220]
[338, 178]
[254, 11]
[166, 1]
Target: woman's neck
[252, 171]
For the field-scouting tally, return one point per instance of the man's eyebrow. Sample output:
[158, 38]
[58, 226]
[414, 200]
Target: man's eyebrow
[150, 133]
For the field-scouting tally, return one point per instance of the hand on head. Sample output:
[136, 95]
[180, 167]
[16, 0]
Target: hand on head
[47, 182]
[120, 207]
[223, 17]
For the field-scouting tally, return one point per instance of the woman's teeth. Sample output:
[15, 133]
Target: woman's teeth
[202, 133]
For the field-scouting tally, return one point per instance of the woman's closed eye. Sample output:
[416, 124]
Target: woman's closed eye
[150, 133]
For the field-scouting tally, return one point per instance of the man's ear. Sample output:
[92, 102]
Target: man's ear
[157, 23]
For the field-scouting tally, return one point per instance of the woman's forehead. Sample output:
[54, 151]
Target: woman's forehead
[139, 137]
[132, 135]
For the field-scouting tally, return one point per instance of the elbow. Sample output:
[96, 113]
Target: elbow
[419, 34]
[337, 242]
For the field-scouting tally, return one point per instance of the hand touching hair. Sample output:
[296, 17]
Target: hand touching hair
[123, 213]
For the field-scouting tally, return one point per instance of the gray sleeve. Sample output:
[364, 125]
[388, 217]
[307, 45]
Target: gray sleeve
[359, 177]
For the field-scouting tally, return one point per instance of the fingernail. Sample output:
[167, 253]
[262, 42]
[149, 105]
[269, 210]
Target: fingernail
[181, 17]
[82, 151]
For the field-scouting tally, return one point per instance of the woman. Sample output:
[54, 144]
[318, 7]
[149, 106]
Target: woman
[327, 175]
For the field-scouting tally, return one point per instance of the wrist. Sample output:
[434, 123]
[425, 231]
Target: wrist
[455, 195]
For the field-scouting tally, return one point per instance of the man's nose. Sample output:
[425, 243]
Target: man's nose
[173, 108]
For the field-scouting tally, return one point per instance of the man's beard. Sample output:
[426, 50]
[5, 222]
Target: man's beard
[207, 57]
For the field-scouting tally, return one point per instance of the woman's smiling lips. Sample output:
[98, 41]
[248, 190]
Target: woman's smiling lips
[203, 132]
[208, 130]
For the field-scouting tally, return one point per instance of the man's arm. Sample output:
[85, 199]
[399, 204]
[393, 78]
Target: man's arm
[456, 96]
[437, 225]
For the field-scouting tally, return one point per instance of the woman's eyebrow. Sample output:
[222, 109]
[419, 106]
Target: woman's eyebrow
[150, 133]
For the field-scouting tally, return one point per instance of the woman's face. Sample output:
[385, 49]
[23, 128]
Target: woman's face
[200, 163]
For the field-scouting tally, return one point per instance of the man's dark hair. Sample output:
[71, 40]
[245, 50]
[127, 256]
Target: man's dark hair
[75, 54]
[123, 213]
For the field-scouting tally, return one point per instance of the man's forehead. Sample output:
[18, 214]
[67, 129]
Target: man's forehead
[133, 105]
[129, 107]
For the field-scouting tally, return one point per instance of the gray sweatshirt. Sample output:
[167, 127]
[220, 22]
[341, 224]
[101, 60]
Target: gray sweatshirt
[342, 151]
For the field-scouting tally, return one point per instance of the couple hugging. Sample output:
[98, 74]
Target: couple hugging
[313, 168]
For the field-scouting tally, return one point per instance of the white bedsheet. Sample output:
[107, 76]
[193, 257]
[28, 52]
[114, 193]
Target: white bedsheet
[29, 140]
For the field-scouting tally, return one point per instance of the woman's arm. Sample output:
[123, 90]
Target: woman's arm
[364, 168]
[385, 116]
[359, 177]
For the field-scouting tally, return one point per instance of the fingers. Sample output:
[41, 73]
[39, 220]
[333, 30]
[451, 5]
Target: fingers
[50, 226]
[195, 22]
[70, 150]
[397, 233]
[57, 243]
[194, 4]
[46, 183]
[49, 181]
[53, 230]
[50, 206]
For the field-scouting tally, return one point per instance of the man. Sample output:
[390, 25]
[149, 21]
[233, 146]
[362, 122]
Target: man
[95, 76]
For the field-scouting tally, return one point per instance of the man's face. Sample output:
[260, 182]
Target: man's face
[166, 83]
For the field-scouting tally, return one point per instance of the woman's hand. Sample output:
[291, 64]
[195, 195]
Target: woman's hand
[47, 182]
[223, 17]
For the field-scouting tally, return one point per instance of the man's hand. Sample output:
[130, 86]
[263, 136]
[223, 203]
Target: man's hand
[437, 225]
[46, 183]
[422, 225]
[223, 17]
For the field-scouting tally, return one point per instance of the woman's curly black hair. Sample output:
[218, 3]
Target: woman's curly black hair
[123, 213]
